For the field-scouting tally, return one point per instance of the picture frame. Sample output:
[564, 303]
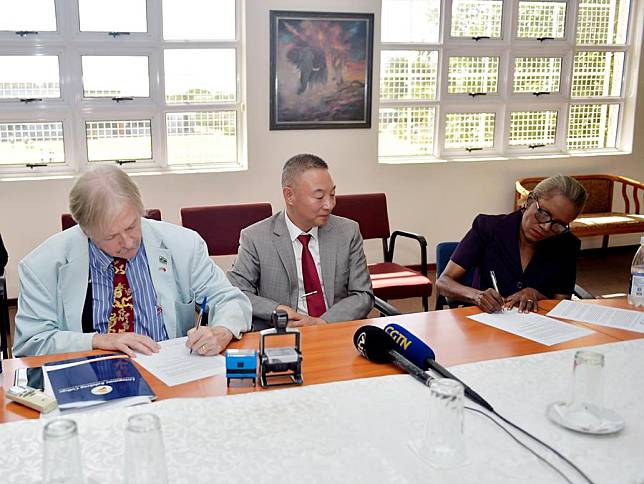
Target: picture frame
[321, 67]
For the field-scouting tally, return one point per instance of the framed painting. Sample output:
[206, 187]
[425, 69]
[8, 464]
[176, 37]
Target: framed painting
[321, 70]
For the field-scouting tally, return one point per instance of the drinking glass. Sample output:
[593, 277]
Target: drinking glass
[144, 459]
[61, 453]
[444, 442]
[587, 381]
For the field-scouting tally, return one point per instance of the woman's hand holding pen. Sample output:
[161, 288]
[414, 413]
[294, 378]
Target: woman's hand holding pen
[489, 301]
[526, 300]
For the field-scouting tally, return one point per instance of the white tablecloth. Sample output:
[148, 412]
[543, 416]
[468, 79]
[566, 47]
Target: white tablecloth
[359, 431]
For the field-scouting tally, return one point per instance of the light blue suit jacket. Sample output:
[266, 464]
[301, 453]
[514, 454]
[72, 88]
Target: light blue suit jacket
[53, 284]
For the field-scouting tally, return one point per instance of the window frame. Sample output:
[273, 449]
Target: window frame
[505, 101]
[70, 44]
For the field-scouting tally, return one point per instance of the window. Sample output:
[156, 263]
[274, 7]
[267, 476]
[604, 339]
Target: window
[152, 85]
[466, 79]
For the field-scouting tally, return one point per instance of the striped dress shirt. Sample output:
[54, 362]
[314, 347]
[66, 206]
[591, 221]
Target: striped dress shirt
[148, 318]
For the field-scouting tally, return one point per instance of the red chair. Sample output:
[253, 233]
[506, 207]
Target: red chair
[220, 225]
[67, 221]
[390, 280]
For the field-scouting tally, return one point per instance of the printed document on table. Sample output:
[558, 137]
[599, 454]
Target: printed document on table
[601, 315]
[174, 364]
[532, 326]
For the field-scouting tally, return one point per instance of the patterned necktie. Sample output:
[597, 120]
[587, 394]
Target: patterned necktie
[315, 301]
[122, 317]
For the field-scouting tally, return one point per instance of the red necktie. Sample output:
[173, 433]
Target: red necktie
[122, 317]
[315, 301]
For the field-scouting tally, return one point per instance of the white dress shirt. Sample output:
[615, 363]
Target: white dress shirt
[314, 247]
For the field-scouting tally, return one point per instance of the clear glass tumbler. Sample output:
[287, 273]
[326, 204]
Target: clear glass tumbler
[144, 459]
[587, 381]
[61, 453]
[444, 442]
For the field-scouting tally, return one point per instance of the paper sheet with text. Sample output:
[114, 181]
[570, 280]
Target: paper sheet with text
[601, 315]
[532, 326]
[174, 364]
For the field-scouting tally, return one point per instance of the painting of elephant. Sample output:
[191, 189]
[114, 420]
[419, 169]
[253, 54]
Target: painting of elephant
[321, 69]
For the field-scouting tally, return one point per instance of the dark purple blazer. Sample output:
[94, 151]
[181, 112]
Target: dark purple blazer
[493, 244]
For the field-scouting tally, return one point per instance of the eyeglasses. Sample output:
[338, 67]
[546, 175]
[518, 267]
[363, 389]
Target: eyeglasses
[544, 217]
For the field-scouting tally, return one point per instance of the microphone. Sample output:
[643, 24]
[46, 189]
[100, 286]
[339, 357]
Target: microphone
[374, 344]
[421, 355]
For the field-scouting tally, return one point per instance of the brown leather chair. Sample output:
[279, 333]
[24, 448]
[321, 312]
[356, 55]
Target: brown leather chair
[390, 280]
[66, 220]
[220, 225]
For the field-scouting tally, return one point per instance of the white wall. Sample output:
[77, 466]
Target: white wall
[438, 200]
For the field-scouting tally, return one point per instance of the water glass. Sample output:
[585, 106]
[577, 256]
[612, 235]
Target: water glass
[444, 442]
[587, 381]
[144, 459]
[61, 453]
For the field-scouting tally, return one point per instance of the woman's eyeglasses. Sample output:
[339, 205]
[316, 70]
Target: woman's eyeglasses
[544, 217]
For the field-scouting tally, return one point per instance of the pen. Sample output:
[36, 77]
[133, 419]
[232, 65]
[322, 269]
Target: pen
[496, 286]
[494, 283]
[308, 294]
[199, 317]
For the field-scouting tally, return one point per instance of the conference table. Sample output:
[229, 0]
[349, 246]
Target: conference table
[329, 353]
[332, 423]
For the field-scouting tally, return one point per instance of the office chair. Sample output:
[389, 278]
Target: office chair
[444, 251]
[220, 225]
[390, 280]
[66, 220]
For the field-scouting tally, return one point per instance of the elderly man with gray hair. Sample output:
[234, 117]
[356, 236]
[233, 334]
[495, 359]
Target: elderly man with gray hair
[118, 281]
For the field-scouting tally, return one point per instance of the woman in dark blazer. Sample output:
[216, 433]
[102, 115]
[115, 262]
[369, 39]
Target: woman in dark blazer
[531, 251]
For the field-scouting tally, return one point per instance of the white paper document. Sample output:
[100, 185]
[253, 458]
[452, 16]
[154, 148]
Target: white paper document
[532, 326]
[174, 364]
[601, 315]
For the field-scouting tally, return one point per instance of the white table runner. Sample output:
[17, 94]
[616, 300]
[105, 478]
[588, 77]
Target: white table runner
[359, 431]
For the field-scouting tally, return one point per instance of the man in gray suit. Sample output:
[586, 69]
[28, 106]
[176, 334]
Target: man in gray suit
[304, 260]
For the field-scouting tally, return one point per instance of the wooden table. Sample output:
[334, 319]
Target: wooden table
[329, 353]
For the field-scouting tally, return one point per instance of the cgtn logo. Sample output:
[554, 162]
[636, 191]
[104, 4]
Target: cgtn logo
[399, 338]
[362, 338]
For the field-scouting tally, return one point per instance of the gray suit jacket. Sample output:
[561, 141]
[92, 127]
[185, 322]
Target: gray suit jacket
[265, 269]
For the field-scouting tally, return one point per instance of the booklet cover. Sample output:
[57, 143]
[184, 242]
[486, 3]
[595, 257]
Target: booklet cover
[98, 379]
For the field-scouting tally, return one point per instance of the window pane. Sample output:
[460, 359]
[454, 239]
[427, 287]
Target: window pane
[200, 75]
[533, 128]
[199, 19]
[202, 137]
[103, 76]
[541, 19]
[112, 16]
[22, 143]
[38, 15]
[25, 76]
[472, 74]
[597, 74]
[118, 140]
[408, 74]
[592, 126]
[537, 74]
[406, 132]
[477, 18]
[469, 130]
[410, 20]
[602, 21]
